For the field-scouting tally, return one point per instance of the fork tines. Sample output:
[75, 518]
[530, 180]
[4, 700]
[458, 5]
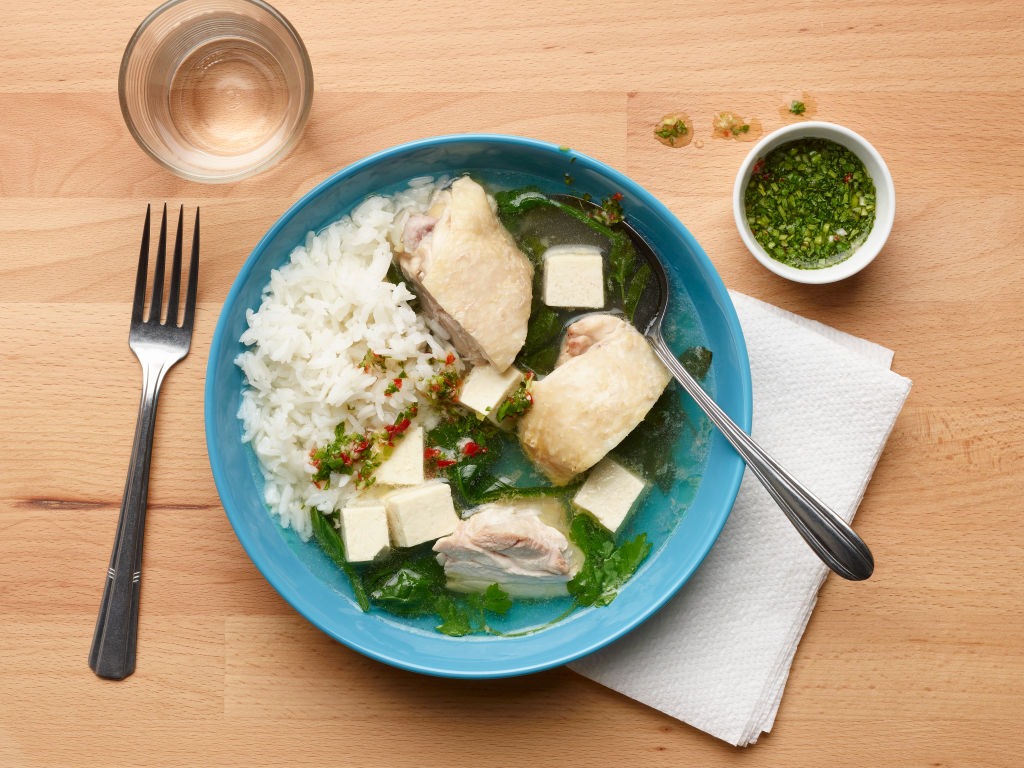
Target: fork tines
[156, 303]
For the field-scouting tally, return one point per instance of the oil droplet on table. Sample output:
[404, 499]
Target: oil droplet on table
[674, 130]
[729, 125]
[797, 106]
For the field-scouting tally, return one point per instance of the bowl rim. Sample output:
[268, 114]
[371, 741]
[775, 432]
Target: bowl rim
[282, 151]
[248, 542]
[857, 144]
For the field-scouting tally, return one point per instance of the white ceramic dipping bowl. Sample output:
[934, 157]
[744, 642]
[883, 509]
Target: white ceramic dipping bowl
[885, 201]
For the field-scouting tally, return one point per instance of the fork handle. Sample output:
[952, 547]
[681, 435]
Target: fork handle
[825, 532]
[112, 654]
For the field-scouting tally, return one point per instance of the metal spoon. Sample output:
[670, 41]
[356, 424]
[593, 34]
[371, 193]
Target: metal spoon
[832, 540]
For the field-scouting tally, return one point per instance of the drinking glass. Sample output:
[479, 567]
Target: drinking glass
[215, 90]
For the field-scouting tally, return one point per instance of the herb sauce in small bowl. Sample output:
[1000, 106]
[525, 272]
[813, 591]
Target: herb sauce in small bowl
[814, 202]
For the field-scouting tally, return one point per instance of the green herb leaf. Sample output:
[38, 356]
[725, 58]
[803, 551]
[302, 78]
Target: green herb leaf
[624, 561]
[542, 362]
[405, 586]
[468, 474]
[797, 107]
[587, 585]
[670, 132]
[495, 600]
[622, 259]
[455, 617]
[636, 290]
[606, 568]
[569, 179]
[696, 361]
[542, 329]
[330, 542]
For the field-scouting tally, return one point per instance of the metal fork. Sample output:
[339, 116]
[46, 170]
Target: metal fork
[158, 346]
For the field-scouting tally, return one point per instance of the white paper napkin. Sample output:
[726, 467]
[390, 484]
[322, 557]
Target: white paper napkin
[718, 654]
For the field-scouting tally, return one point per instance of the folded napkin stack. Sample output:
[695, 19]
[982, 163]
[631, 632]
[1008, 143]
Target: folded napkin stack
[718, 654]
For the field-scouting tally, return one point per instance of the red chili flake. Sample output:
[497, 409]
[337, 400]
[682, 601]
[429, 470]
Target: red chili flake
[450, 360]
[347, 459]
[398, 428]
[847, 177]
[360, 447]
[758, 166]
[442, 463]
[317, 484]
[398, 383]
[472, 449]
[431, 453]
[617, 196]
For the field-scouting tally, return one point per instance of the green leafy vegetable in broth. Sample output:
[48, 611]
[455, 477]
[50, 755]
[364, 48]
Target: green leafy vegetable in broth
[543, 328]
[636, 290]
[606, 567]
[696, 361]
[464, 448]
[414, 585]
[541, 362]
[330, 542]
[649, 448]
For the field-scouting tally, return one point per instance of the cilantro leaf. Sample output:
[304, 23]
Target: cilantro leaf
[496, 600]
[605, 568]
[455, 617]
[624, 561]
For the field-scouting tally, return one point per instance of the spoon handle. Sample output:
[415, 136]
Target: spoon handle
[832, 540]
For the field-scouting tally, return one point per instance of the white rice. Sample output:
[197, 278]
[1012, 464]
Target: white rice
[320, 314]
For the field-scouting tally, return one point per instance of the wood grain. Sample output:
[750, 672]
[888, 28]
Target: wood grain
[923, 665]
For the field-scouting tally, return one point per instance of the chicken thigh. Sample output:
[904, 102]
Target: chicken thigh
[513, 545]
[472, 278]
[606, 380]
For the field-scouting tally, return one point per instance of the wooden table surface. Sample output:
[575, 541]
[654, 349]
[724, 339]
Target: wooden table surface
[923, 665]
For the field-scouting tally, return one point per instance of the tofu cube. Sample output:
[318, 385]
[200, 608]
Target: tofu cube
[420, 514]
[405, 467]
[610, 494]
[485, 388]
[364, 532]
[574, 276]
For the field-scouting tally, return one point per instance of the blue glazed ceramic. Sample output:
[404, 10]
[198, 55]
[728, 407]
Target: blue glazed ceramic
[683, 524]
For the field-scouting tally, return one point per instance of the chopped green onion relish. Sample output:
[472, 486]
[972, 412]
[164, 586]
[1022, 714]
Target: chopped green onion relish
[810, 203]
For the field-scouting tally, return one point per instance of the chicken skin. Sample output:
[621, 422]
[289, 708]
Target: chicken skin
[472, 278]
[606, 380]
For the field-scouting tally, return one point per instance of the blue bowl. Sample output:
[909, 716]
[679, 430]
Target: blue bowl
[303, 575]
